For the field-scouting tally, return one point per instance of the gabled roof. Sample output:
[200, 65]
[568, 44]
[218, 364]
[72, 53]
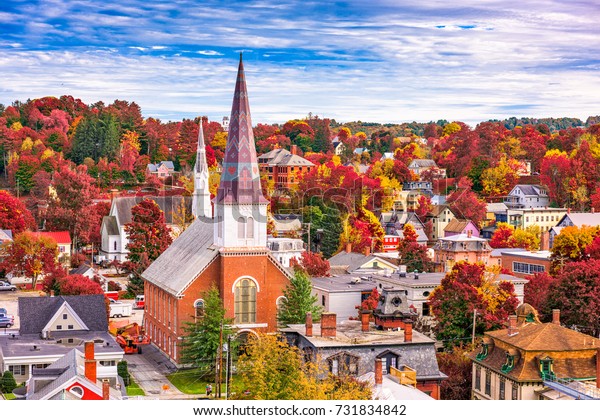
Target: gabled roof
[82, 269]
[439, 209]
[458, 225]
[422, 163]
[282, 157]
[110, 223]
[168, 204]
[5, 236]
[533, 190]
[183, 261]
[62, 237]
[353, 261]
[36, 312]
[582, 219]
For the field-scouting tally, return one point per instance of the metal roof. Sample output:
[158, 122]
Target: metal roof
[185, 259]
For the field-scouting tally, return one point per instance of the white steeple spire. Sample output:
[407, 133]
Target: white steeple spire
[201, 205]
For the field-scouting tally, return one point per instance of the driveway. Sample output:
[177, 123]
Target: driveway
[149, 370]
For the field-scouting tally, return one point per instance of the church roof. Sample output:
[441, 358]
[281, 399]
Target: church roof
[185, 259]
[240, 179]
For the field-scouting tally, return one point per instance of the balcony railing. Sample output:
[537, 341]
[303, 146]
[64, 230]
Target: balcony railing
[405, 375]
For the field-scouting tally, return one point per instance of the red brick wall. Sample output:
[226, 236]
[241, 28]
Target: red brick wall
[431, 387]
[222, 272]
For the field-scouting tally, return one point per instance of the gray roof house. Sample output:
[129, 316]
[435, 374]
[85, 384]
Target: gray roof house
[52, 326]
[574, 219]
[527, 196]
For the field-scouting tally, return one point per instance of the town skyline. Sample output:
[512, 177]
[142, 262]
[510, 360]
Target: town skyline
[384, 62]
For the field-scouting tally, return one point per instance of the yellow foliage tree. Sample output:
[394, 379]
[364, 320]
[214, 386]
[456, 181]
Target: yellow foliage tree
[219, 141]
[27, 144]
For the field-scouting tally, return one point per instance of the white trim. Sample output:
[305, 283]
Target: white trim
[242, 278]
[70, 310]
[249, 330]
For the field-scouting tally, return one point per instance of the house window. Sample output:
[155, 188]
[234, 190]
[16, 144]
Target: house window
[115, 246]
[343, 364]
[61, 248]
[477, 377]
[488, 382]
[241, 228]
[64, 316]
[17, 369]
[546, 369]
[199, 308]
[77, 391]
[245, 301]
[425, 309]
[501, 391]
[107, 363]
[323, 300]
[250, 228]
[69, 327]
[59, 327]
[515, 391]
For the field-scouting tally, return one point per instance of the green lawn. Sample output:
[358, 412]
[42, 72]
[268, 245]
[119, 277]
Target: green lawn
[134, 389]
[191, 381]
[9, 396]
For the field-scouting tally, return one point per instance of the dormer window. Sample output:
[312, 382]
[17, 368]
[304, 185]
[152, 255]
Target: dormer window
[509, 364]
[546, 369]
[484, 352]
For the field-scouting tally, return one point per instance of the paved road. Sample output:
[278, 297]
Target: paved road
[149, 370]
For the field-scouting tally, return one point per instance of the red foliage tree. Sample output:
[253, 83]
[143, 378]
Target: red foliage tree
[576, 292]
[72, 207]
[501, 237]
[465, 288]
[148, 235]
[30, 255]
[76, 284]
[536, 291]
[313, 264]
[411, 254]
[465, 204]
[14, 215]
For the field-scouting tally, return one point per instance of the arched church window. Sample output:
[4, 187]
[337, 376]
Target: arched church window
[245, 301]
[199, 308]
[241, 228]
[250, 228]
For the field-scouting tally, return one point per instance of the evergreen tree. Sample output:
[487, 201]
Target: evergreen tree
[84, 141]
[203, 336]
[298, 301]
[109, 138]
[7, 382]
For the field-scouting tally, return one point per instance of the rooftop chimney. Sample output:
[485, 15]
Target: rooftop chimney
[294, 150]
[105, 389]
[408, 331]
[309, 325]
[592, 210]
[348, 248]
[545, 241]
[364, 320]
[556, 316]
[512, 325]
[366, 250]
[90, 361]
[328, 324]
[378, 372]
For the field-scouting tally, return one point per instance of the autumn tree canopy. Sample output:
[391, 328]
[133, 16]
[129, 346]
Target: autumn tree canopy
[468, 287]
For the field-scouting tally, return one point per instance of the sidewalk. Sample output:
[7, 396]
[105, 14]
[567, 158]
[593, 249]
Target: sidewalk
[150, 370]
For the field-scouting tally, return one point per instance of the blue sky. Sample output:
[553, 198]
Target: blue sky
[378, 60]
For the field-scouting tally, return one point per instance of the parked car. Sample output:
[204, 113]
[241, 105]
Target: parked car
[4, 286]
[6, 322]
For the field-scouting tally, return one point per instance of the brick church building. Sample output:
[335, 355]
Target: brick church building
[227, 249]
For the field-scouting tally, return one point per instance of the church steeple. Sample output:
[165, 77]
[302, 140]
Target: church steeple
[240, 207]
[240, 180]
[201, 206]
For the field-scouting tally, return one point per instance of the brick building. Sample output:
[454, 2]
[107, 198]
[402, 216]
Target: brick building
[283, 167]
[228, 251]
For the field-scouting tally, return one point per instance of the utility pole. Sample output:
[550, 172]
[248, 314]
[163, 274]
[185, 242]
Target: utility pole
[309, 250]
[473, 333]
[219, 364]
[228, 371]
